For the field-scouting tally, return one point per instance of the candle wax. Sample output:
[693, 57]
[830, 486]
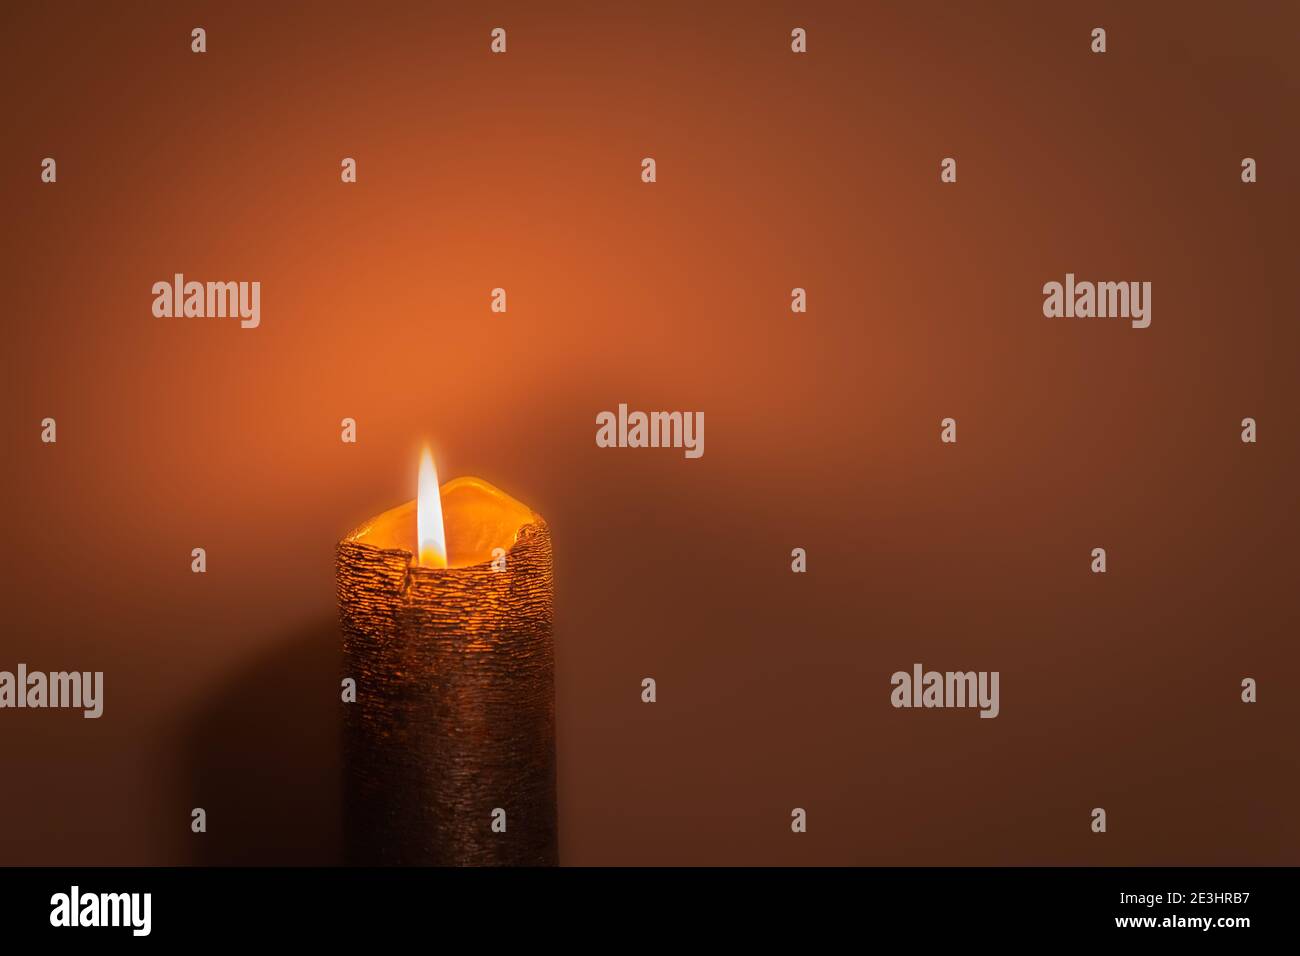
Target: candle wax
[478, 518]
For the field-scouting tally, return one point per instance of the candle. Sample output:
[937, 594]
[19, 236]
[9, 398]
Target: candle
[446, 609]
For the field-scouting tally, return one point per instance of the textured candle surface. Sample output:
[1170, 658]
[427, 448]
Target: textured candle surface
[455, 711]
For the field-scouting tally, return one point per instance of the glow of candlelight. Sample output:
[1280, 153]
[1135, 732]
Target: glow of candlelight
[428, 516]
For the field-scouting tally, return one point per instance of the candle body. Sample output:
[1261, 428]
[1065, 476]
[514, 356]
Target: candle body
[449, 748]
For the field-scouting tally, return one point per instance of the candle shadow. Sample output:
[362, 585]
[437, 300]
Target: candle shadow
[262, 758]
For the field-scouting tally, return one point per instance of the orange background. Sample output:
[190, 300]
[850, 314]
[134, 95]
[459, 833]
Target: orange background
[822, 430]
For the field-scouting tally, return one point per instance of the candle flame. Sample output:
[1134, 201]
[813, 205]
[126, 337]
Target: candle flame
[428, 516]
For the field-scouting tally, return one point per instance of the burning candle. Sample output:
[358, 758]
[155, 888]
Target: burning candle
[446, 609]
